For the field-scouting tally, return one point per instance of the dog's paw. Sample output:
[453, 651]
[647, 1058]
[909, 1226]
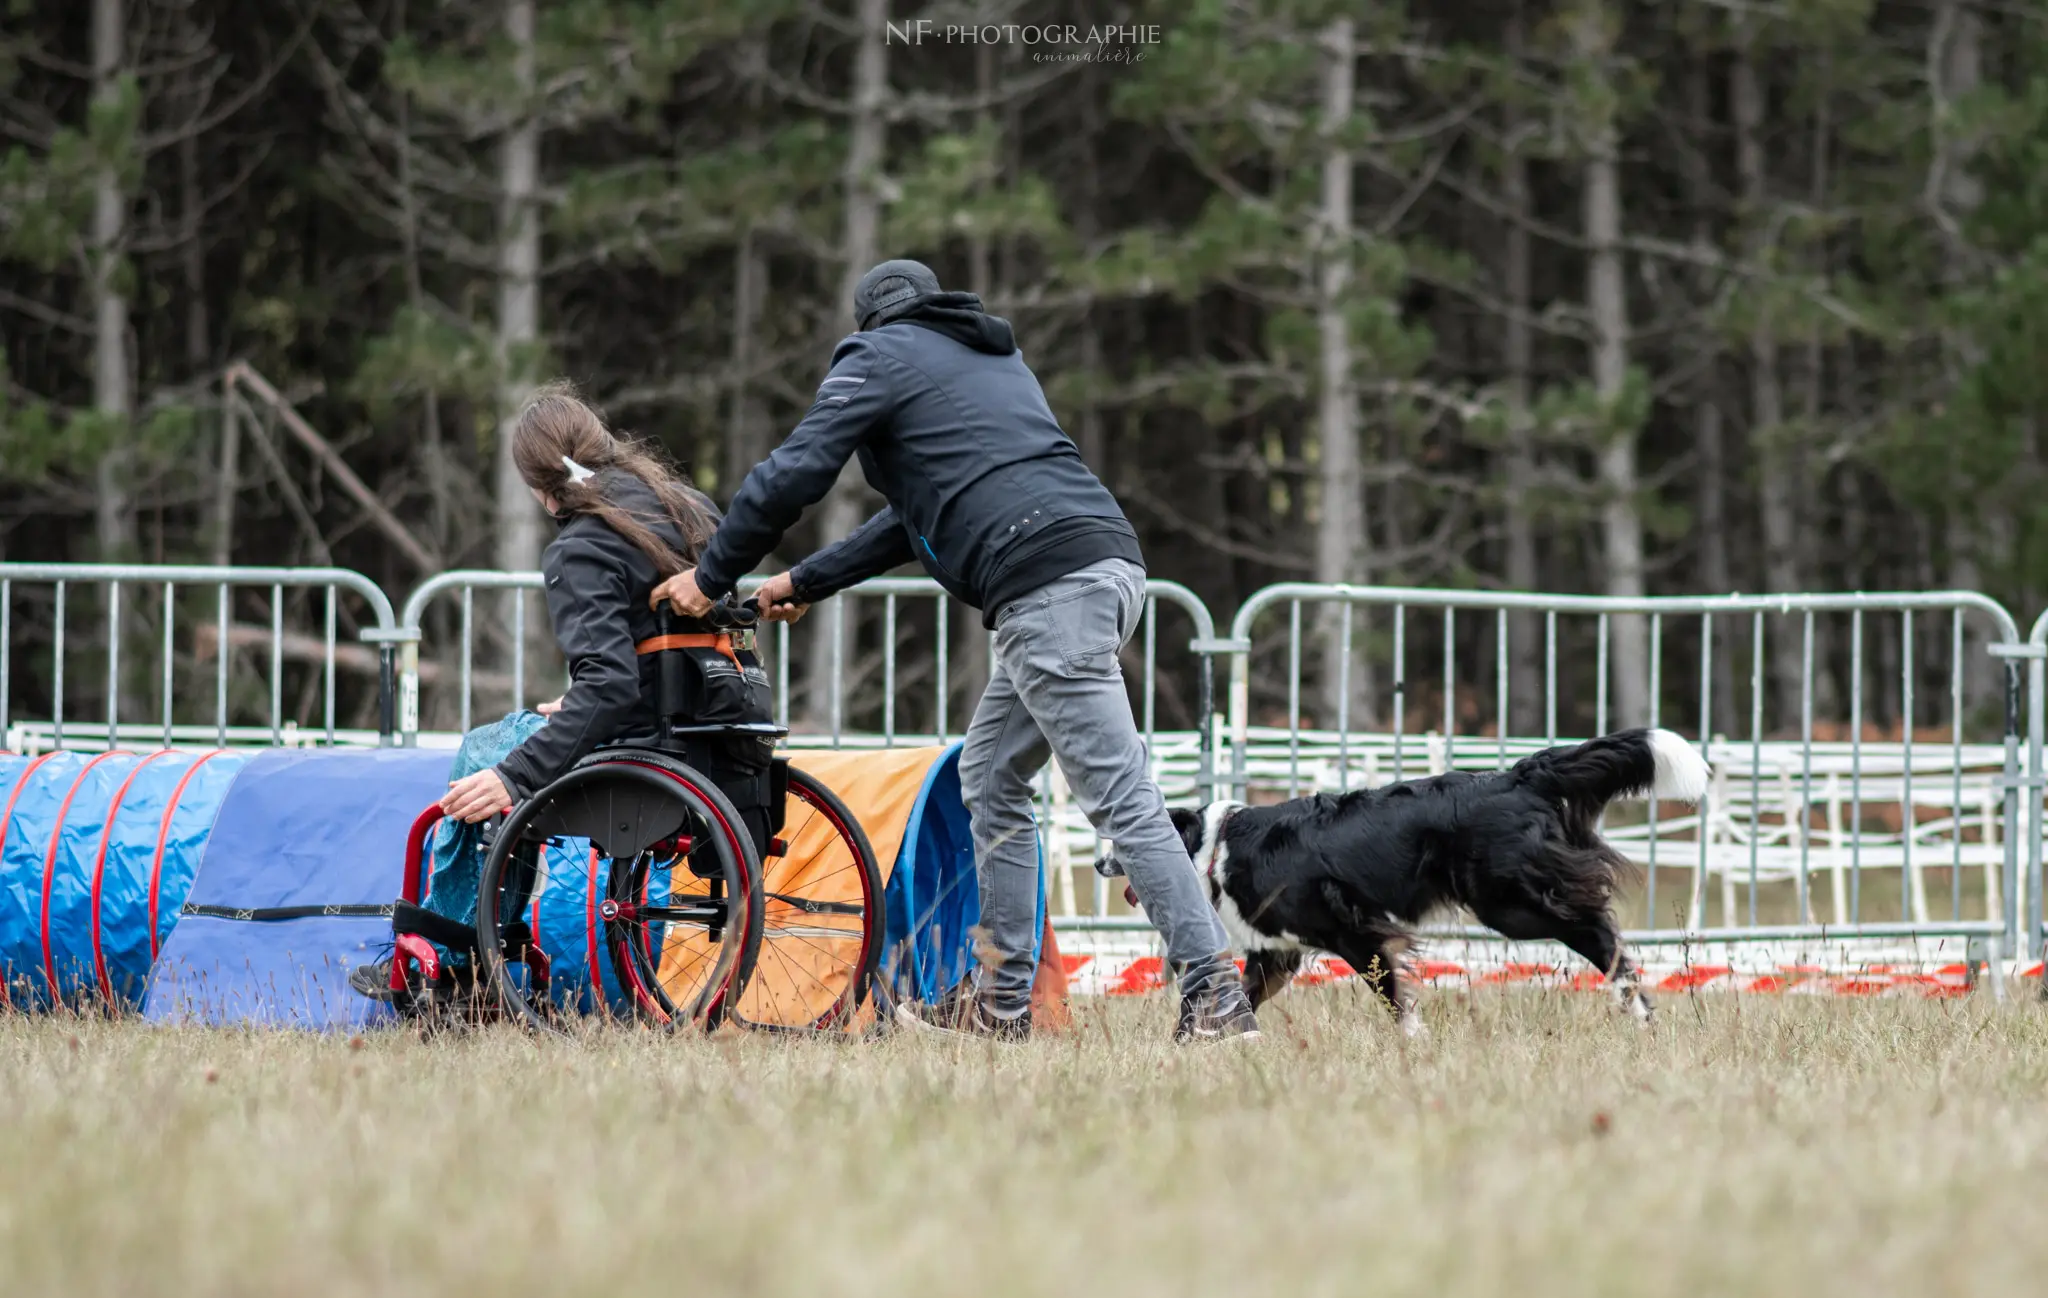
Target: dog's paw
[1412, 1025]
[1640, 1008]
[1630, 999]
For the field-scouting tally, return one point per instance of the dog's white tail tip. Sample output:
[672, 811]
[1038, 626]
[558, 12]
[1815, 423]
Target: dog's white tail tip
[1681, 771]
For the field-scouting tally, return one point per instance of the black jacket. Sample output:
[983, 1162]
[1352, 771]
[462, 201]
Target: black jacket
[597, 588]
[951, 427]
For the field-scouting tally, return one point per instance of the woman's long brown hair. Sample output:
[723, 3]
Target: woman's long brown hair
[556, 424]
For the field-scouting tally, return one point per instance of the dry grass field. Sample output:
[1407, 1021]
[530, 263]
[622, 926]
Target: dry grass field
[1532, 1144]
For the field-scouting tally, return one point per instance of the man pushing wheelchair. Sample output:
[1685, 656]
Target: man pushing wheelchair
[992, 498]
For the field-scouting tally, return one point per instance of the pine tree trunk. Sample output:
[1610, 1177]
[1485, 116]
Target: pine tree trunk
[1089, 434]
[865, 140]
[113, 393]
[1709, 434]
[1621, 523]
[520, 535]
[970, 654]
[745, 420]
[519, 522]
[1342, 544]
[227, 477]
[444, 515]
[1777, 465]
[192, 257]
[1526, 643]
[1960, 63]
[1825, 630]
[217, 462]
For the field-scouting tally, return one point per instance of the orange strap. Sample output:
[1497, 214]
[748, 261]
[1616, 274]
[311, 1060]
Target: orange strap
[700, 640]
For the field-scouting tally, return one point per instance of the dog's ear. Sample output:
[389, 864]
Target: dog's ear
[1107, 865]
[1188, 824]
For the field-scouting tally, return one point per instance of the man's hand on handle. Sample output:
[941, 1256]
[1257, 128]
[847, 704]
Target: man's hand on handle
[682, 593]
[777, 598]
[548, 708]
[476, 797]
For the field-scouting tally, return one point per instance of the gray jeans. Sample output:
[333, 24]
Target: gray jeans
[1057, 689]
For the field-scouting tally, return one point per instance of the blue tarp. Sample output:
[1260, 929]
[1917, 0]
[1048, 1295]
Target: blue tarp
[92, 849]
[300, 831]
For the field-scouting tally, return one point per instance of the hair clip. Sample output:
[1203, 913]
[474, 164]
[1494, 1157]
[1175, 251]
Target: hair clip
[577, 473]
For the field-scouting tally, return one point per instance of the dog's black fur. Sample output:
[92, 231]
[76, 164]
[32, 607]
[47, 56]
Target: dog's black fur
[1349, 873]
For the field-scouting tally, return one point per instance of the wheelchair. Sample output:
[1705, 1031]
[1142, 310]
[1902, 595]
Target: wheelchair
[697, 925]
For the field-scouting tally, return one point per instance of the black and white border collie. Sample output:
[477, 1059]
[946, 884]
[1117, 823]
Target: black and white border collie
[1348, 873]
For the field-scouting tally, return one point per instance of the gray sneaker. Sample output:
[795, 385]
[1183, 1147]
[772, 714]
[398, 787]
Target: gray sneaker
[1219, 1012]
[372, 980]
[961, 1013]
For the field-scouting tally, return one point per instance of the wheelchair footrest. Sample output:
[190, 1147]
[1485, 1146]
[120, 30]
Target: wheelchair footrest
[411, 947]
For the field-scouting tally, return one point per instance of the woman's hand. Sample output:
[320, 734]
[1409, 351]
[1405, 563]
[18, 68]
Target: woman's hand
[777, 599]
[682, 593]
[548, 708]
[476, 797]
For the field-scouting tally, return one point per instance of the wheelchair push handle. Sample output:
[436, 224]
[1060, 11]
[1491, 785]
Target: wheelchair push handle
[728, 614]
[731, 614]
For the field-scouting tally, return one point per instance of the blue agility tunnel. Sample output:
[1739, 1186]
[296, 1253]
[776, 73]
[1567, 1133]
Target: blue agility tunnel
[97, 853]
[232, 887]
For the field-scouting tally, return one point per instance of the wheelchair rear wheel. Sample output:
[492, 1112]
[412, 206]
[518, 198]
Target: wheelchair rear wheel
[822, 919]
[671, 877]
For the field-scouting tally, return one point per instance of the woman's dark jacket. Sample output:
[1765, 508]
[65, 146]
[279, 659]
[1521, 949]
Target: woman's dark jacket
[597, 587]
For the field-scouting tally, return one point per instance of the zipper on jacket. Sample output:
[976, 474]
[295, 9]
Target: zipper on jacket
[936, 562]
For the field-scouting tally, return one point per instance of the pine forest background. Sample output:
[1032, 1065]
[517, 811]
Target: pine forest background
[1605, 296]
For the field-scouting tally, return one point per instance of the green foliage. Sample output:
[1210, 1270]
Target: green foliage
[422, 353]
[672, 131]
[953, 190]
[32, 435]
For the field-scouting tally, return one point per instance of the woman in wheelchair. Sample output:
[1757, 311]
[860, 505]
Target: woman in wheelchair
[627, 523]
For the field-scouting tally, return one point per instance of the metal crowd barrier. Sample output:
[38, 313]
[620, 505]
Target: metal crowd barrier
[2035, 651]
[166, 582]
[893, 592]
[1758, 778]
[1788, 811]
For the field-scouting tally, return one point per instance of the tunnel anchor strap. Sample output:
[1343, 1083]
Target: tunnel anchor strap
[268, 914]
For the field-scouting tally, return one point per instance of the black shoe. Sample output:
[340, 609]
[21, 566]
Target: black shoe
[1219, 1012]
[961, 1013]
[372, 980]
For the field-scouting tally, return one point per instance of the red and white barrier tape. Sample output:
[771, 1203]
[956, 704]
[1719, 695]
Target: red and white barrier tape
[1129, 974]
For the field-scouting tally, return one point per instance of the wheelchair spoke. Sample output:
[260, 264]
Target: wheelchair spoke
[809, 907]
[705, 914]
[795, 933]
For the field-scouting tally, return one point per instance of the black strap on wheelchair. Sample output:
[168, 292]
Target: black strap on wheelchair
[406, 917]
[442, 931]
[269, 914]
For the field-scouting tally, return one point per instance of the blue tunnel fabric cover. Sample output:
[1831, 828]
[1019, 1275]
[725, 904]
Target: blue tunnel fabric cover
[97, 852]
[933, 899]
[319, 836]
